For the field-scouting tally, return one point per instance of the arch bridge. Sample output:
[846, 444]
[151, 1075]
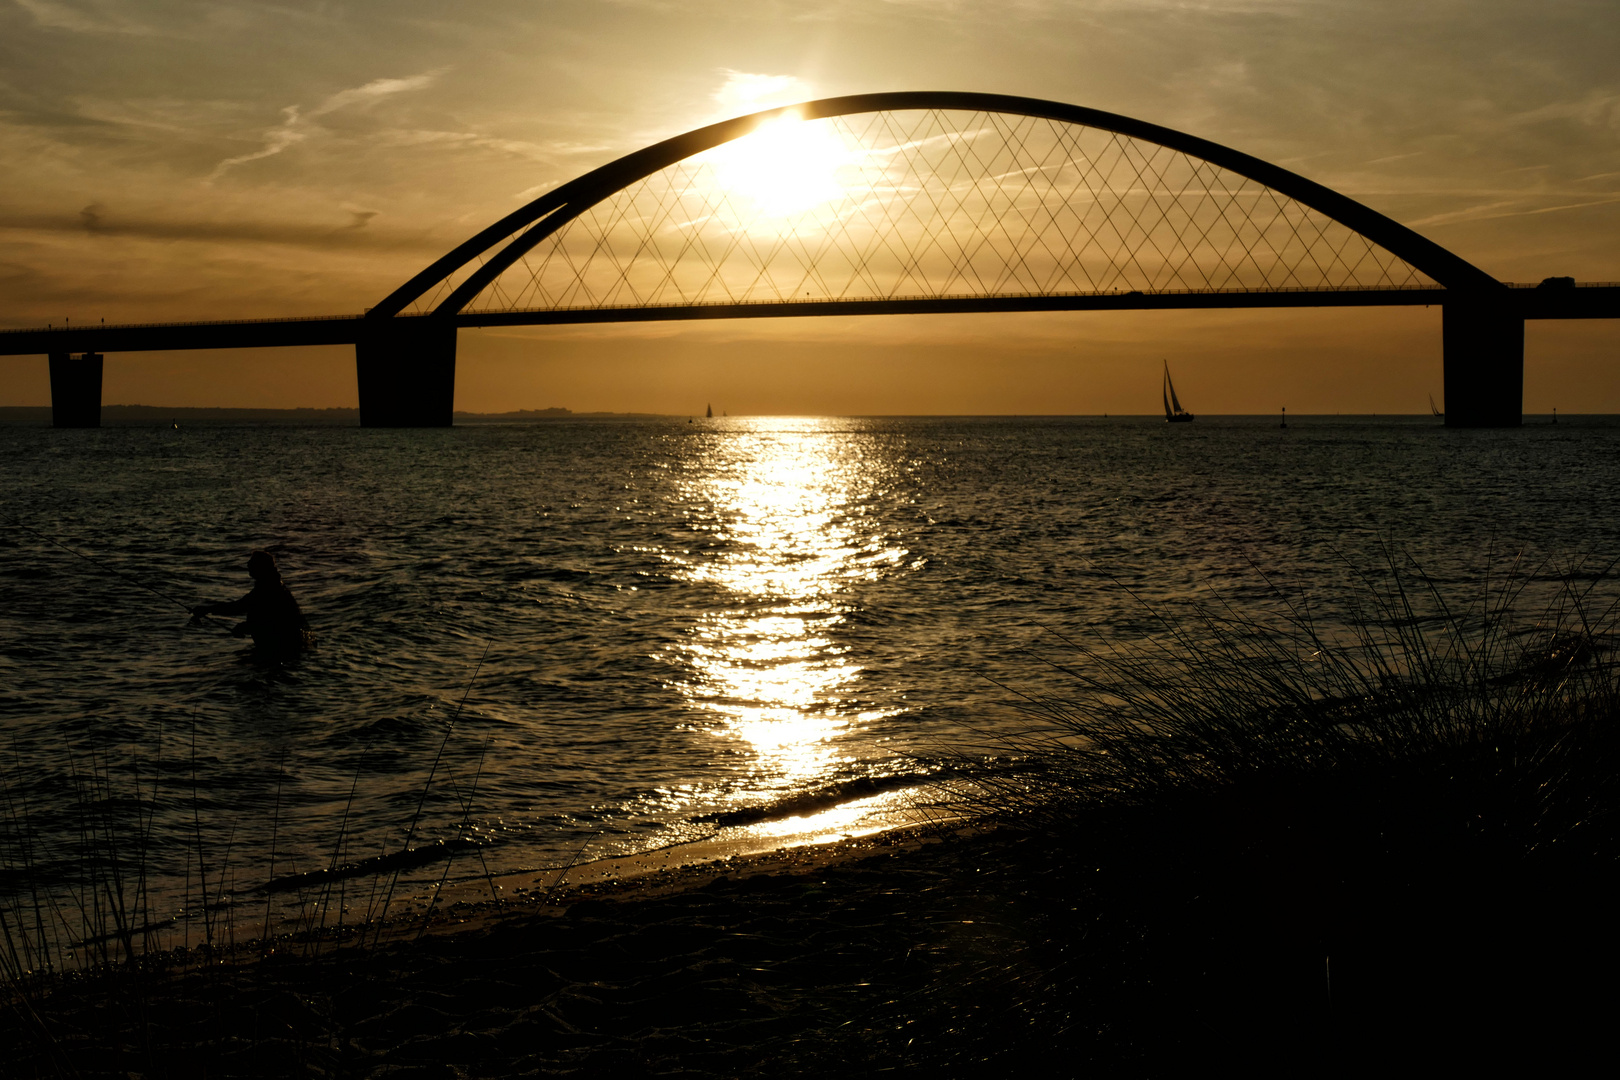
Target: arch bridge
[900, 203]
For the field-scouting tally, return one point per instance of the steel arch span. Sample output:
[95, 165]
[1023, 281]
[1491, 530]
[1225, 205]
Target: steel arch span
[914, 202]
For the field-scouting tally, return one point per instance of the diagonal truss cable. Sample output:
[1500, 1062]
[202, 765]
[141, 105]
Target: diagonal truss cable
[977, 194]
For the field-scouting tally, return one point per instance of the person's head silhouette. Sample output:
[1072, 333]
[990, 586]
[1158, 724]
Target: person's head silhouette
[262, 566]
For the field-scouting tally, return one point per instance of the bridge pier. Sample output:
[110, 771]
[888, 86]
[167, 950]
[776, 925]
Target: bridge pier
[407, 372]
[1483, 343]
[76, 390]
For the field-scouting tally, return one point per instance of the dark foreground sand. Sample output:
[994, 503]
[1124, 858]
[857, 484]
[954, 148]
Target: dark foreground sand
[794, 963]
[915, 954]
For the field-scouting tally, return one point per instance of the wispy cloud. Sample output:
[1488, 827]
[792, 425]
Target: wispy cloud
[1597, 109]
[82, 18]
[744, 92]
[1509, 208]
[407, 137]
[534, 192]
[374, 91]
[276, 140]
[348, 229]
[294, 125]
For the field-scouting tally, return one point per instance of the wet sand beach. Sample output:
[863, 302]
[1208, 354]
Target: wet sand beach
[796, 962]
[924, 952]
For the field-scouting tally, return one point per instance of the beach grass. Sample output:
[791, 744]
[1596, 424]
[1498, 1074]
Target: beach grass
[1398, 836]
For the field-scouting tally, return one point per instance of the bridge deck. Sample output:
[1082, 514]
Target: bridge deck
[1585, 301]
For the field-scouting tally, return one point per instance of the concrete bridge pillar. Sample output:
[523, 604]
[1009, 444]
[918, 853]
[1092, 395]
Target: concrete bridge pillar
[76, 390]
[407, 372]
[1483, 343]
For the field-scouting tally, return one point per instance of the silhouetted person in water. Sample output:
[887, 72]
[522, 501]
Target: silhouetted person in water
[272, 615]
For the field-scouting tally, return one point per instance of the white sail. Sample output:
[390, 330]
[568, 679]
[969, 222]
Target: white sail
[1172, 405]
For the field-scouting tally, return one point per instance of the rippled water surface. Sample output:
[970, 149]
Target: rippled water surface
[607, 635]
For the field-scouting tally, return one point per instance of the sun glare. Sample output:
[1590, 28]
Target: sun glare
[786, 166]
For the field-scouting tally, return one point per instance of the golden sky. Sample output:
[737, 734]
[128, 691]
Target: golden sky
[176, 160]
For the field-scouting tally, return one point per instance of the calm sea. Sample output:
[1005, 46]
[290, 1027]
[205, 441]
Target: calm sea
[599, 636]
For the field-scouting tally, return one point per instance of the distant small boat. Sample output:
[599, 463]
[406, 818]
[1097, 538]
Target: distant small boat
[1173, 412]
[710, 412]
[1435, 408]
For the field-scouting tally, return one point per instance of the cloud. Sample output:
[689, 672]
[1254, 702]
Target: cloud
[276, 140]
[1600, 109]
[373, 91]
[744, 92]
[406, 137]
[290, 131]
[101, 222]
[1521, 206]
[535, 192]
[54, 15]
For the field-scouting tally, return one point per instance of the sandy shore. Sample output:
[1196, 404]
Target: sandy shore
[790, 961]
[948, 952]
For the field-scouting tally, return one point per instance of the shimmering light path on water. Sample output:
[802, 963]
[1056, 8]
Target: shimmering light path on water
[689, 625]
[790, 529]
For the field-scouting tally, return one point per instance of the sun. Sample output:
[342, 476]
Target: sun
[785, 166]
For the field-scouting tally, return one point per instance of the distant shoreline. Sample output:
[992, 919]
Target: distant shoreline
[163, 414]
[160, 414]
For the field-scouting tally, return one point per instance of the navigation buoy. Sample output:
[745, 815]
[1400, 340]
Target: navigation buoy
[1285, 416]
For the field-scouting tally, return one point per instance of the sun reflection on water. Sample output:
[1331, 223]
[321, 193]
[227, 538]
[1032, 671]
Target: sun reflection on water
[785, 504]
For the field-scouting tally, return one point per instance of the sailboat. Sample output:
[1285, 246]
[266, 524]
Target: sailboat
[1173, 412]
[1435, 408]
[710, 412]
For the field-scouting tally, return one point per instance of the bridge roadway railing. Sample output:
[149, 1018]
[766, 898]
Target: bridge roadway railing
[406, 364]
[1591, 301]
[210, 334]
[1584, 300]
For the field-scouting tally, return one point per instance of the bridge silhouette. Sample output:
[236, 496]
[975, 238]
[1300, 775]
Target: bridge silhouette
[895, 203]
